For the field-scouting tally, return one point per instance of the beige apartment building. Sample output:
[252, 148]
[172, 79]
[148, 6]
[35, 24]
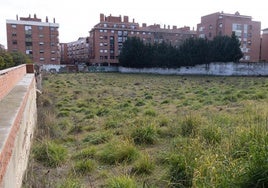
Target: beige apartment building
[107, 37]
[39, 40]
[247, 31]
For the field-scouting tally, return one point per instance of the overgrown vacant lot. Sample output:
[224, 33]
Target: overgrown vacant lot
[131, 130]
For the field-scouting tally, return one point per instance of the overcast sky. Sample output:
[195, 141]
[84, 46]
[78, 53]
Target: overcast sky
[76, 18]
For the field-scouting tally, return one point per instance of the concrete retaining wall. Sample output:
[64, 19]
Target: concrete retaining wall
[218, 69]
[18, 116]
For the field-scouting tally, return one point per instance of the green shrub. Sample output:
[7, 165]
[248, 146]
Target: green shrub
[190, 125]
[86, 153]
[97, 138]
[111, 124]
[115, 152]
[212, 135]
[70, 183]
[121, 182]
[145, 165]
[150, 112]
[84, 166]
[145, 134]
[50, 154]
[180, 172]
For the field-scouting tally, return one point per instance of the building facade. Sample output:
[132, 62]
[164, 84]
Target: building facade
[78, 51]
[264, 45]
[2, 47]
[247, 31]
[39, 40]
[108, 36]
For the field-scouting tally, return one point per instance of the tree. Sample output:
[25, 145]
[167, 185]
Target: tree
[225, 49]
[2, 63]
[8, 60]
[20, 58]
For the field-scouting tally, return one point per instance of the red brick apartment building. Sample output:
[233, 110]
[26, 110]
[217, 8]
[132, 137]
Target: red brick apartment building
[39, 40]
[108, 35]
[78, 51]
[246, 30]
[264, 45]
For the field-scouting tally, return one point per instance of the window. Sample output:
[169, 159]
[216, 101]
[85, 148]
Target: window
[41, 43]
[105, 31]
[28, 44]
[120, 33]
[236, 27]
[123, 26]
[245, 28]
[101, 30]
[53, 59]
[42, 59]
[27, 27]
[14, 42]
[14, 26]
[41, 36]
[52, 29]
[112, 31]
[120, 39]
[220, 25]
[40, 27]
[101, 51]
[105, 25]
[41, 51]
[53, 52]
[125, 33]
[209, 34]
[29, 52]
[105, 37]
[210, 27]
[115, 25]
[101, 44]
[101, 37]
[112, 57]
[105, 51]
[14, 34]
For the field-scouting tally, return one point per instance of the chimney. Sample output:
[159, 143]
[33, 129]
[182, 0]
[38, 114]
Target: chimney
[29, 15]
[17, 17]
[101, 17]
[168, 26]
[54, 20]
[120, 17]
[143, 24]
[126, 19]
[174, 27]
[46, 19]
[164, 26]
[35, 16]
[133, 20]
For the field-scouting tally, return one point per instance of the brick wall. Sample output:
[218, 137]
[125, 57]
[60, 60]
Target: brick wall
[9, 78]
[18, 115]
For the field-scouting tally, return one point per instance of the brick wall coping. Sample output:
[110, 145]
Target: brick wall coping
[11, 112]
[9, 78]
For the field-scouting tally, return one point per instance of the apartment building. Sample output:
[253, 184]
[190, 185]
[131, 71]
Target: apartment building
[108, 35]
[39, 40]
[264, 45]
[247, 31]
[78, 51]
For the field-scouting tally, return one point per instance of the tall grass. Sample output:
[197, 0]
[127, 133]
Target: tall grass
[158, 131]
